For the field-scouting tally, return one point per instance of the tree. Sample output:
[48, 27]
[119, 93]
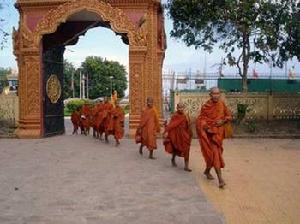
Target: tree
[69, 72]
[3, 34]
[104, 76]
[247, 30]
[3, 77]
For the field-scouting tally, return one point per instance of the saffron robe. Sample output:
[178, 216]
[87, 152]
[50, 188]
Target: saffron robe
[118, 117]
[149, 126]
[179, 136]
[210, 135]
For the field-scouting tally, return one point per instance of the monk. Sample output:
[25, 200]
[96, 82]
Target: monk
[178, 137]
[149, 126]
[85, 119]
[210, 129]
[75, 118]
[107, 123]
[117, 117]
[96, 114]
[114, 98]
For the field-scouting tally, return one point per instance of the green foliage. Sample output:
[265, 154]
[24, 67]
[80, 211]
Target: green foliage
[99, 72]
[67, 113]
[260, 31]
[3, 79]
[126, 109]
[69, 71]
[76, 103]
[241, 111]
[251, 125]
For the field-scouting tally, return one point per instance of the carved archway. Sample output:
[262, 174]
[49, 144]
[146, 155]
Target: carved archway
[117, 18]
[146, 51]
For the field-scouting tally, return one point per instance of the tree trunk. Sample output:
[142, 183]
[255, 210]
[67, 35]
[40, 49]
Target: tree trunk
[246, 51]
[245, 84]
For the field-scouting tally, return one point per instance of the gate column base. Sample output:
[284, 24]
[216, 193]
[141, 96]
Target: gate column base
[29, 128]
[134, 121]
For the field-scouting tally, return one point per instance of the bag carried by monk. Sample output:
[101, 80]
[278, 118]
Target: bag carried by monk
[228, 130]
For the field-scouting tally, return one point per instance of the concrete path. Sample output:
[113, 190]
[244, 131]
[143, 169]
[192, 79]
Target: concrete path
[79, 180]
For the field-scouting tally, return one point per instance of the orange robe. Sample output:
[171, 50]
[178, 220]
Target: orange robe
[211, 142]
[118, 117]
[94, 116]
[179, 136]
[85, 118]
[97, 117]
[75, 118]
[149, 126]
[98, 120]
[107, 121]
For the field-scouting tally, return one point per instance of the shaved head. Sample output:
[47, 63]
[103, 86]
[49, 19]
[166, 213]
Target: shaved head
[180, 104]
[215, 94]
[214, 89]
[149, 101]
[180, 107]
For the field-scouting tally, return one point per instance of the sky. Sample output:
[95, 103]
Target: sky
[104, 43]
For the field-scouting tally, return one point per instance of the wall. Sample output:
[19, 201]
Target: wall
[262, 106]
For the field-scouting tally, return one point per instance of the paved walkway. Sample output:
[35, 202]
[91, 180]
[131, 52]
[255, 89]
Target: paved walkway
[80, 180]
[77, 179]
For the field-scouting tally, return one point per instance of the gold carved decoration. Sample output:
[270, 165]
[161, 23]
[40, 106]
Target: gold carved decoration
[53, 89]
[32, 79]
[119, 21]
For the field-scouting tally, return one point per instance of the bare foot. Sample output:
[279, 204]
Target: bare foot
[222, 184]
[209, 176]
[187, 170]
[174, 163]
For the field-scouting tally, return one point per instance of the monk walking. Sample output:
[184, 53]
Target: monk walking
[107, 121]
[210, 129]
[149, 126]
[118, 117]
[85, 120]
[75, 118]
[178, 137]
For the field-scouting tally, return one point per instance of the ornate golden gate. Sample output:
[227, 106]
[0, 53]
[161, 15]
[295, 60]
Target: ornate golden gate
[48, 25]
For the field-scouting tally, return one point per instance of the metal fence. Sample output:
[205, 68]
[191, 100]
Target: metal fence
[196, 82]
[231, 82]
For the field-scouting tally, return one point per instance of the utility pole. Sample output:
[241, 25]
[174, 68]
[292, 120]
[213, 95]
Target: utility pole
[80, 84]
[73, 86]
[87, 85]
[83, 86]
